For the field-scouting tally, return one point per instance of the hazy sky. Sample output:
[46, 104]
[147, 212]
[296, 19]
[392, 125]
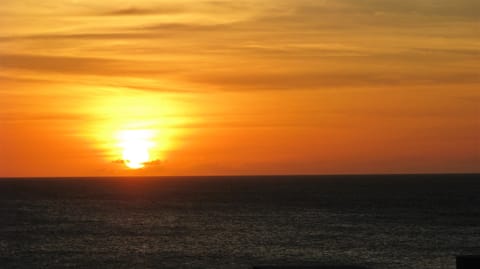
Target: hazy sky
[240, 87]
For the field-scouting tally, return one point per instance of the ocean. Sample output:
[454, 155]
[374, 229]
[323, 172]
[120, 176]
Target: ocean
[382, 221]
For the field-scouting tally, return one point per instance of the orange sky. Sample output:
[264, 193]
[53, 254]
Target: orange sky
[240, 87]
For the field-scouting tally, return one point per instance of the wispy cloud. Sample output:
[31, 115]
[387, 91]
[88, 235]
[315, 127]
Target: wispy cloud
[296, 38]
[245, 81]
[78, 65]
[48, 117]
[136, 11]
[62, 64]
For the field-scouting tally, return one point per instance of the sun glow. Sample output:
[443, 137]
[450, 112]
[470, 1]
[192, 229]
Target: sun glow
[136, 146]
[135, 130]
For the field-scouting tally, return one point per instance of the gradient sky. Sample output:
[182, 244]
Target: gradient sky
[240, 87]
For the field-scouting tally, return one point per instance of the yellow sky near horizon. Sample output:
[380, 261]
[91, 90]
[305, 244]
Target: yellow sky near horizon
[240, 87]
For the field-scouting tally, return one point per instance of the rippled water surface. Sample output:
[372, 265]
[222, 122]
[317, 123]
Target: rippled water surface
[237, 222]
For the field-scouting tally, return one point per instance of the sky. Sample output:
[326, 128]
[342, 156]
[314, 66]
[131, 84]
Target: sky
[219, 87]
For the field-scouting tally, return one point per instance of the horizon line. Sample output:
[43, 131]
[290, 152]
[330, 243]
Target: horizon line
[248, 175]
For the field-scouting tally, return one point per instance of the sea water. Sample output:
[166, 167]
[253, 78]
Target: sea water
[403, 221]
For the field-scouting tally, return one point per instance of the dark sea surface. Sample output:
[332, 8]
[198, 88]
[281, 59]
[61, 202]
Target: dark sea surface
[405, 221]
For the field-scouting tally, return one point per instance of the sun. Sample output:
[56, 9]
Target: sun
[136, 146]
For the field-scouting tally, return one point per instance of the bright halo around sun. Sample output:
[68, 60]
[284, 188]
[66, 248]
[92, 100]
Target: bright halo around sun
[136, 146]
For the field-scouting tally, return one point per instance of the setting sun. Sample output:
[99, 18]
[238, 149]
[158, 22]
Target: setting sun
[135, 145]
